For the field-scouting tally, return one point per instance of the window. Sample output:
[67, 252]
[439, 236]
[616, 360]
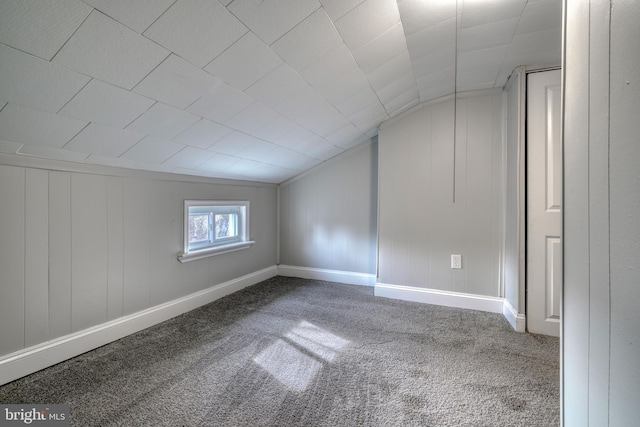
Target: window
[214, 227]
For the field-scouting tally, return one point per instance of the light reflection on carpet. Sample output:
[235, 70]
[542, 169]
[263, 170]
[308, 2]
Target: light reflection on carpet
[295, 359]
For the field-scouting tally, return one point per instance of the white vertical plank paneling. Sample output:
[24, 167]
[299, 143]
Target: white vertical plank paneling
[88, 251]
[441, 188]
[420, 226]
[327, 219]
[624, 184]
[166, 204]
[115, 247]
[460, 245]
[497, 196]
[418, 265]
[77, 229]
[599, 225]
[479, 192]
[402, 189]
[284, 222]
[59, 254]
[12, 246]
[575, 325]
[136, 245]
[36, 266]
[385, 204]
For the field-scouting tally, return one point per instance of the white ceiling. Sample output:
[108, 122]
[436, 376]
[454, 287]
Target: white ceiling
[244, 89]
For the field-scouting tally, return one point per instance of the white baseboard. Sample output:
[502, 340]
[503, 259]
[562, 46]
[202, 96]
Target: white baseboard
[437, 297]
[33, 359]
[348, 277]
[516, 320]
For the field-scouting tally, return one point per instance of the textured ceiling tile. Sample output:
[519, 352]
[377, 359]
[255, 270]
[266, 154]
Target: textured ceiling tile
[250, 170]
[330, 67]
[397, 87]
[274, 130]
[347, 137]
[299, 103]
[245, 62]
[176, 82]
[481, 59]
[163, 121]
[110, 161]
[51, 153]
[542, 47]
[103, 140]
[107, 104]
[135, 14]
[369, 118]
[479, 12]
[32, 82]
[487, 35]
[223, 103]
[319, 150]
[358, 102]
[109, 51]
[271, 19]
[188, 157]
[382, 49]
[197, 30]
[368, 21]
[435, 62]
[294, 136]
[436, 85]
[432, 39]
[203, 134]
[277, 86]
[398, 68]
[477, 79]
[336, 9]
[40, 27]
[540, 16]
[402, 102]
[233, 143]
[218, 163]
[323, 120]
[252, 118]
[33, 127]
[419, 14]
[152, 150]
[9, 147]
[308, 41]
[276, 155]
[345, 87]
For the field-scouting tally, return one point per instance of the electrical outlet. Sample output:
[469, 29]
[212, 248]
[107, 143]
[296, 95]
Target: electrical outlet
[456, 261]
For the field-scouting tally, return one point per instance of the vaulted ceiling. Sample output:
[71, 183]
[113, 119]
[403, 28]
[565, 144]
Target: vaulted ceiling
[245, 89]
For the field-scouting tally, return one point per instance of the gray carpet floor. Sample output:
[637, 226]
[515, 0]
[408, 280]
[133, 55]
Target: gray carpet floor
[289, 352]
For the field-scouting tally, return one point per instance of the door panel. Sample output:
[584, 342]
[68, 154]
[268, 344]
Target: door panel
[544, 203]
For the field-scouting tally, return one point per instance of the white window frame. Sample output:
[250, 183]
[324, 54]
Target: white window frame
[215, 246]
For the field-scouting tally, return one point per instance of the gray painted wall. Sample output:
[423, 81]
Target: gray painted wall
[328, 216]
[419, 224]
[601, 338]
[78, 249]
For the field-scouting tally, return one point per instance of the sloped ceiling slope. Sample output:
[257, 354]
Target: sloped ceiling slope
[244, 89]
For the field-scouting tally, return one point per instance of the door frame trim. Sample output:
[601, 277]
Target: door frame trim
[521, 184]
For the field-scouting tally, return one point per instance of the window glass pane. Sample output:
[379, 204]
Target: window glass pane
[226, 226]
[198, 228]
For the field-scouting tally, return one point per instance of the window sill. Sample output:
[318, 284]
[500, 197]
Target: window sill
[219, 250]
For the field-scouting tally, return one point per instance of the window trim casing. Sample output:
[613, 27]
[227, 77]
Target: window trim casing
[243, 231]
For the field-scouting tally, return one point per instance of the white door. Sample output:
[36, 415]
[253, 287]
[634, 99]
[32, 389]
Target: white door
[544, 203]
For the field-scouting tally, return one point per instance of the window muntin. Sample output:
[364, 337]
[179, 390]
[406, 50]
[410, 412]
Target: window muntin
[213, 227]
